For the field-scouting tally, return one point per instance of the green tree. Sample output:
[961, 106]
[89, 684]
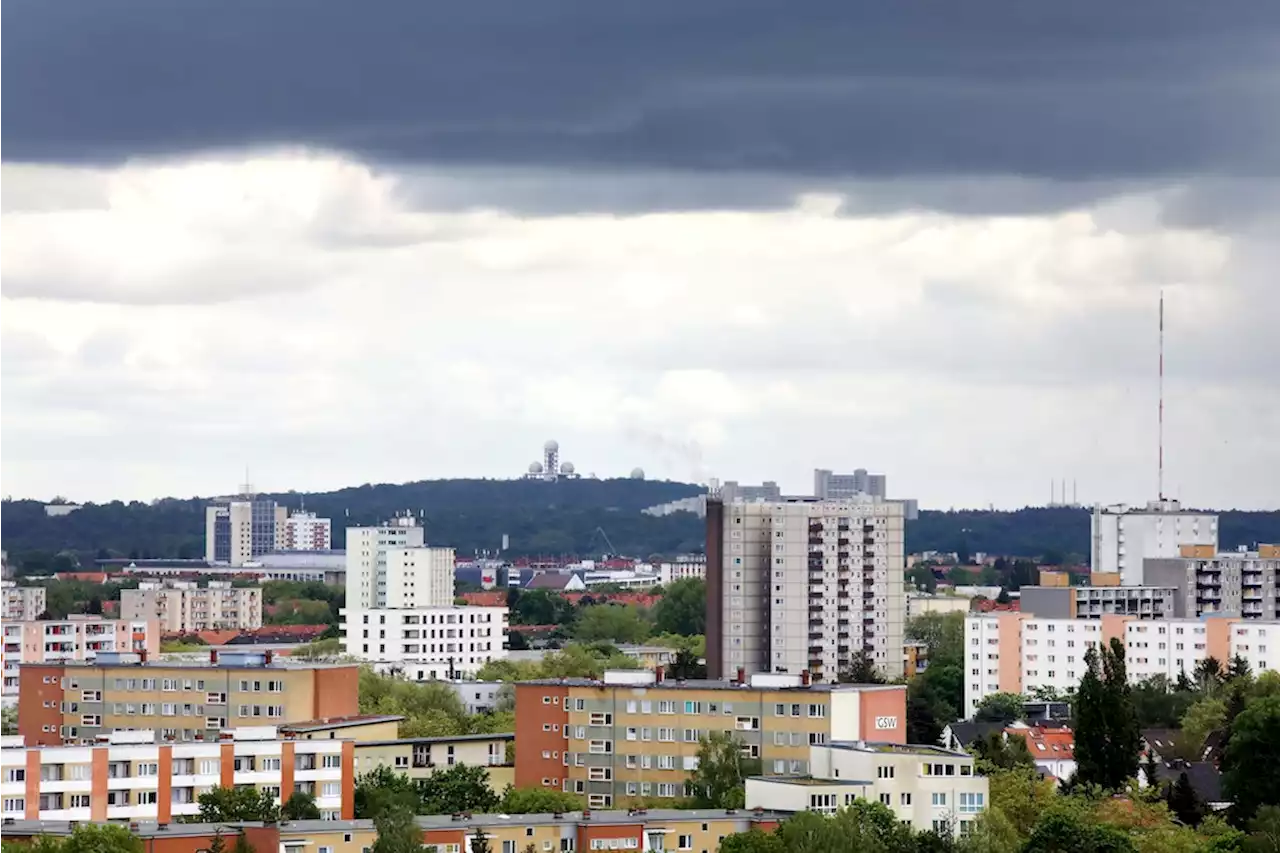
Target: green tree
[217, 844]
[1204, 717]
[538, 801]
[862, 827]
[300, 806]
[397, 832]
[927, 712]
[922, 578]
[1239, 669]
[1021, 797]
[683, 608]
[430, 709]
[1249, 776]
[330, 647]
[719, 780]
[861, 670]
[382, 789]
[1264, 831]
[1208, 675]
[999, 708]
[752, 841]
[1183, 802]
[1061, 832]
[685, 665]
[230, 805]
[621, 623]
[460, 788]
[89, 838]
[480, 842]
[942, 634]
[996, 752]
[242, 845]
[1108, 741]
[9, 720]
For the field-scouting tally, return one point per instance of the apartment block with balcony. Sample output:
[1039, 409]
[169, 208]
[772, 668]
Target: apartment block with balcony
[1094, 602]
[426, 643]
[419, 758]
[804, 585]
[926, 786]
[77, 639]
[184, 606]
[1019, 652]
[76, 702]
[141, 775]
[1244, 584]
[23, 603]
[635, 734]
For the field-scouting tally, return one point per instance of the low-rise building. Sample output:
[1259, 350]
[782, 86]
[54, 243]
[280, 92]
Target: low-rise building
[76, 639]
[919, 603]
[74, 702]
[418, 758]
[184, 606]
[927, 786]
[1053, 748]
[479, 697]
[637, 734]
[140, 775]
[426, 643]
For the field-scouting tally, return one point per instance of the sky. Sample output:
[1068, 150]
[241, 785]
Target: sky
[331, 243]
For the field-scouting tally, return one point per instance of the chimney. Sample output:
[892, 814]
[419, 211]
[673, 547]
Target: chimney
[804, 678]
[659, 675]
[266, 660]
[213, 656]
[586, 814]
[742, 675]
[142, 656]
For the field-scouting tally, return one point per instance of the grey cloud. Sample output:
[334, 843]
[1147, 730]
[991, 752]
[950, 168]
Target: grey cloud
[1075, 91]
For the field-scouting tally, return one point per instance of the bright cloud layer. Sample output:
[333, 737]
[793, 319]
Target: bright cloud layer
[328, 323]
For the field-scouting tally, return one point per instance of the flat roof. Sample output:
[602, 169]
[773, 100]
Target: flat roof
[279, 664]
[339, 722]
[810, 781]
[711, 684]
[438, 739]
[898, 748]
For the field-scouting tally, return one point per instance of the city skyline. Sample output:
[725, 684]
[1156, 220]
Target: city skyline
[932, 245]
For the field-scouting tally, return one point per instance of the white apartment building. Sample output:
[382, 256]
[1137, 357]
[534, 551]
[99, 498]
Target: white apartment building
[1123, 536]
[1018, 652]
[126, 777]
[426, 643]
[23, 603]
[1235, 583]
[80, 638]
[690, 566]
[927, 786]
[303, 531]
[367, 563]
[804, 585]
[182, 606]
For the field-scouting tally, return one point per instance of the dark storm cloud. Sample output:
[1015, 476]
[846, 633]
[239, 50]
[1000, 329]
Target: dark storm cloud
[1068, 91]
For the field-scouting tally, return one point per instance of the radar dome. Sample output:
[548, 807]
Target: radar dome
[535, 467]
[637, 473]
[551, 446]
[567, 468]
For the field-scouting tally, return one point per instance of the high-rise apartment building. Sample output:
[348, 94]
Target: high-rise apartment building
[182, 606]
[828, 485]
[804, 586]
[636, 735]
[303, 531]
[72, 702]
[367, 559]
[23, 603]
[1122, 537]
[237, 530]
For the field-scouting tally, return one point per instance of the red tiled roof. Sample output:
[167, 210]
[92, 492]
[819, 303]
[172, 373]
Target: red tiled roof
[91, 577]
[488, 598]
[989, 606]
[1043, 742]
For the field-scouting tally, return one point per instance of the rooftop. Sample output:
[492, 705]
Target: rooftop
[896, 748]
[339, 722]
[277, 665]
[439, 739]
[810, 781]
[710, 684]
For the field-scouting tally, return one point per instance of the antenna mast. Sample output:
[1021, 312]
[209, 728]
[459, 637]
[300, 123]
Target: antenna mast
[1160, 433]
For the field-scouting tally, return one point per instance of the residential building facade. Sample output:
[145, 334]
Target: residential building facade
[804, 585]
[303, 531]
[1123, 536]
[78, 639]
[635, 734]
[240, 529]
[828, 485]
[1020, 652]
[426, 643]
[684, 566]
[76, 702]
[1094, 602]
[23, 603]
[183, 606]
[367, 554]
[926, 786]
[1235, 583]
[418, 758]
[140, 775]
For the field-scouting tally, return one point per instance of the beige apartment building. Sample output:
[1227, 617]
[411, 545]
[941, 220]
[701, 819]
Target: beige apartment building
[23, 603]
[183, 606]
[804, 585]
[75, 639]
[635, 734]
